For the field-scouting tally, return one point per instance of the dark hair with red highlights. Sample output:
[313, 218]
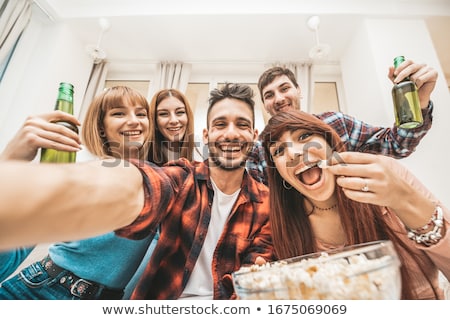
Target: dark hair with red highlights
[291, 229]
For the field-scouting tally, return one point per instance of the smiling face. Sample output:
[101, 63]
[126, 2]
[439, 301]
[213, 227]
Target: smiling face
[230, 134]
[172, 119]
[126, 128]
[296, 155]
[281, 95]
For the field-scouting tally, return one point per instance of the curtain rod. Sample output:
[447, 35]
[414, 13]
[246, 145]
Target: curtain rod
[144, 61]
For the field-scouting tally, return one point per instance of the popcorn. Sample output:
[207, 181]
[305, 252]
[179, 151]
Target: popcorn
[325, 277]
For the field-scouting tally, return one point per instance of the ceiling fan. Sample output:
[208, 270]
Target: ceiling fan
[319, 51]
[98, 54]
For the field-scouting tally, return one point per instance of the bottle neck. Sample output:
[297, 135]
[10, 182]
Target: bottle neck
[65, 92]
[398, 61]
[64, 102]
[65, 97]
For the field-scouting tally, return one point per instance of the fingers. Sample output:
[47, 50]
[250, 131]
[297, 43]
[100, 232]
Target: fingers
[42, 133]
[358, 189]
[38, 132]
[58, 115]
[59, 139]
[355, 172]
[354, 164]
[59, 133]
[260, 261]
[419, 73]
[423, 76]
[406, 69]
[391, 73]
[357, 184]
[364, 177]
[352, 157]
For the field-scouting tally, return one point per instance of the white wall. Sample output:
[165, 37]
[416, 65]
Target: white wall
[45, 56]
[48, 54]
[368, 91]
[362, 88]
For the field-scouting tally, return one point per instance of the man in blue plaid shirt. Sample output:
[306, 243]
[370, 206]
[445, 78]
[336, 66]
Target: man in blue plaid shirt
[280, 91]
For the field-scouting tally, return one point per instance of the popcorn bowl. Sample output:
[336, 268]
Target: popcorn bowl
[368, 271]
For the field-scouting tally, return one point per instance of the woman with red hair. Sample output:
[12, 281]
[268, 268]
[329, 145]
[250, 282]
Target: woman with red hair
[323, 197]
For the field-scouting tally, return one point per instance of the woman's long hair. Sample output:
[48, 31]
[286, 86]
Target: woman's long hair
[93, 132]
[157, 153]
[291, 229]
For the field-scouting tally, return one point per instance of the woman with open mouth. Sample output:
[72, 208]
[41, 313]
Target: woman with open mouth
[323, 198]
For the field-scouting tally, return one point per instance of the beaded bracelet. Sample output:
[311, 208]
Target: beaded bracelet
[431, 237]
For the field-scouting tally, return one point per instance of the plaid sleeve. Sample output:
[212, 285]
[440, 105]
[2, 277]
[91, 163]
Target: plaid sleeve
[363, 137]
[158, 196]
[256, 163]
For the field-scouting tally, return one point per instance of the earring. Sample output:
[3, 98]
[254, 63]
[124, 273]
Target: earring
[288, 186]
[102, 133]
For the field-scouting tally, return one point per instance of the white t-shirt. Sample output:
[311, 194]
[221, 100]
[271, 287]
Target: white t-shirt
[200, 284]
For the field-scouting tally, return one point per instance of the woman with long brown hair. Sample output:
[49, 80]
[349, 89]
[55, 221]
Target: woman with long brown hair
[323, 198]
[171, 128]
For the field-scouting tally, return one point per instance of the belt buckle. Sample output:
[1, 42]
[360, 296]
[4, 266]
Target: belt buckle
[80, 288]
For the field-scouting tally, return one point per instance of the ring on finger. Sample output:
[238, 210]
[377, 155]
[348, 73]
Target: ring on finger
[366, 187]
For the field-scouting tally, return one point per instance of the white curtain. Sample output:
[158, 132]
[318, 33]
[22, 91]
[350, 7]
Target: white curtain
[14, 17]
[303, 72]
[170, 75]
[94, 87]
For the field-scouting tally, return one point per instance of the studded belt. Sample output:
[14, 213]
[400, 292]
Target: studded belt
[78, 287]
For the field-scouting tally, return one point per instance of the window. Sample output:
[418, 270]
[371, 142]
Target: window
[325, 97]
[326, 91]
[198, 95]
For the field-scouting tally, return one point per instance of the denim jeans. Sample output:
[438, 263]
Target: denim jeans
[34, 283]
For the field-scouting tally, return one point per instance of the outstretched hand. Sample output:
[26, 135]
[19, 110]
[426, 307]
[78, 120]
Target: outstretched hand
[40, 131]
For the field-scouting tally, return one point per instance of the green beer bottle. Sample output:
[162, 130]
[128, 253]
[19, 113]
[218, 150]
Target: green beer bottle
[64, 102]
[408, 114]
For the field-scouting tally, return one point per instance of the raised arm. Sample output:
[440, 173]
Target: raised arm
[44, 202]
[363, 137]
[398, 143]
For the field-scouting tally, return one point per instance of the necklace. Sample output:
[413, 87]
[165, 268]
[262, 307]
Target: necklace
[324, 209]
[314, 207]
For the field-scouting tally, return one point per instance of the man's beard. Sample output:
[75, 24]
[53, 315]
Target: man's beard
[228, 165]
[220, 164]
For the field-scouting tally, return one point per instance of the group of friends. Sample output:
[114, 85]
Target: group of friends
[171, 221]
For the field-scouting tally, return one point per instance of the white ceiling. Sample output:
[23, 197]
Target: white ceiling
[234, 30]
